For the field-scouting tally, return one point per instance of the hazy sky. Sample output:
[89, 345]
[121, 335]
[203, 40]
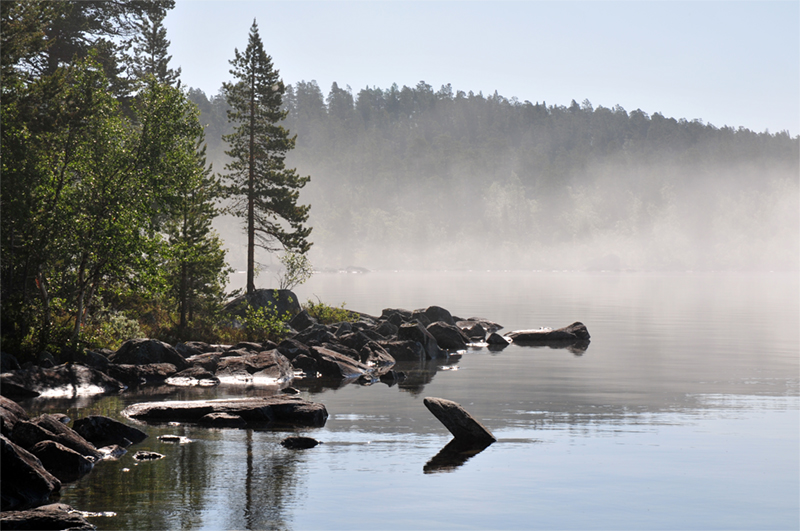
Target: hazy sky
[731, 63]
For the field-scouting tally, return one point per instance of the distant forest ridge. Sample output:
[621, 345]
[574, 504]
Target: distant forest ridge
[415, 178]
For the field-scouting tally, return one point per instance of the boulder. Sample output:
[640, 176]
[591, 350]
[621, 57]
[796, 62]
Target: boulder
[496, 341]
[207, 360]
[65, 464]
[32, 485]
[291, 348]
[68, 380]
[575, 332]
[135, 375]
[447, 336]
[464, 427]
[268, 365]
[279, 410]
[334, 365]
[305, 363]
[421, 317]
[486, 324]
[414, 331]
[193, 376]
[52, 516]
[473, 330]
[299, 443]
[402, 350]
[46, 360]
[437, 313]
[315, 335]
[302, 320]
[343, 350]
[282, 300]
[10, 413]
[48, 428]
[146, 352]
[402, 315]
[105, 431]
[387, 329]
[97, 359]
[8, 362]
[343, 328]
[374, 355]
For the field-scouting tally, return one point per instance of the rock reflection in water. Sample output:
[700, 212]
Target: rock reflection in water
[453, 455]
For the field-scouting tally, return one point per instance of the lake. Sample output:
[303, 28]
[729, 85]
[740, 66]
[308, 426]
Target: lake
[683, 413]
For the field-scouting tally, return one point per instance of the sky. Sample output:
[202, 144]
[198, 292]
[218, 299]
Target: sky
[728, 63]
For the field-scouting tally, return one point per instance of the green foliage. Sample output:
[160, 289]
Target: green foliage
[297, 270]
[329, 314]
[264, 323]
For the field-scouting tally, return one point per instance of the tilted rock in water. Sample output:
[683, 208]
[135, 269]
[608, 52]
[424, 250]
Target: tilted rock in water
[147, 351]
[280, 409]
[447, 336]
[458, 421]
[104, 431]
[45, 428]
[497, 341]
[32, 484]
[65, 464]
[52, 516]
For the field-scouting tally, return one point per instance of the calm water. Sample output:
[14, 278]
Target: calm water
[684, 413]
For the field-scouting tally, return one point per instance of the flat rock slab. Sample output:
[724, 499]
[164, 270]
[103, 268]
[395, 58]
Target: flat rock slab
[464, 427]
[53, 516]
[281, 410]
[574, 332]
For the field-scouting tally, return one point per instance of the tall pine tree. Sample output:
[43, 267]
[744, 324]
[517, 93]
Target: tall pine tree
[150, 47]
[264, 191]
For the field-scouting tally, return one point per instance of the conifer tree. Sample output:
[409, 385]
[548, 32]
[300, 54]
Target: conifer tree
[264, 191]
[150, 47]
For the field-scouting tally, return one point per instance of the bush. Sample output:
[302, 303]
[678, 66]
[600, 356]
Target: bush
[264, 323]
[329, 314]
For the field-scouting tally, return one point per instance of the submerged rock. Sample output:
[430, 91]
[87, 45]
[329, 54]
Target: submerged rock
[144, 455]
[299, 443]
[222, 420]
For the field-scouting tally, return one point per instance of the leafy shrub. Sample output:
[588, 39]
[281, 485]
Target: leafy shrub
[329, 314]
[264, 323]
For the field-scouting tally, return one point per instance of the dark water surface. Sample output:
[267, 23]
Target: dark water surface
[684, 413]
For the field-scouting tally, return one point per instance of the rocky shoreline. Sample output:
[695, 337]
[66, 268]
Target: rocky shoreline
[40, 454]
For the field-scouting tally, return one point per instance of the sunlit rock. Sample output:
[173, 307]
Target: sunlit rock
[67, 381]
[52, 516]
[458, 421]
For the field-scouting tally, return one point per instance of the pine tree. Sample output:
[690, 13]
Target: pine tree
[150, 47]
[265, 192]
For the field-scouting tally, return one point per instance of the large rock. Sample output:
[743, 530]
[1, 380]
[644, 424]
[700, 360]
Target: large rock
[65, 464]
[279, 410]
[49, 428]
[146, 352]
[414, 331]
[135, 375]
[52, 516]
[437, 313]
[8, 362]
[292, 348]
[575, 332]
[64, 380]
[334, 365]
[10, 413]
[447, 336]
[32, 484]
[403, 350]
[464, 427]
[269, 366]
[283, 300]
[105, 431]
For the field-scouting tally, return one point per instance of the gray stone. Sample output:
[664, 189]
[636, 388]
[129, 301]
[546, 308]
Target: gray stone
[414, 331]
[447, 336]
[437, 313]
[72, 379]
[574, 332]
[147, 351]
[135, 375]
[458, 421]
[10, 413]
[65, 464]
[334, 365]
[105, 431]
[33, 484]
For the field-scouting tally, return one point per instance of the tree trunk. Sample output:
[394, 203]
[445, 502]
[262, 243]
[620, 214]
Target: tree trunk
[251, 228]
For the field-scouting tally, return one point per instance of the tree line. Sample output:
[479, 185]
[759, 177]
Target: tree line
[107, 197]
[456, 180]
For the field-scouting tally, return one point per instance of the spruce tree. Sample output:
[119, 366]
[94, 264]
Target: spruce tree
[263, 190]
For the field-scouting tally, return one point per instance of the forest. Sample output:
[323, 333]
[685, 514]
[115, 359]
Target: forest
[417, 178]
[123, 192]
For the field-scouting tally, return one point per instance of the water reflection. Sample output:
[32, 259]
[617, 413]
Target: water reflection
[453, 455]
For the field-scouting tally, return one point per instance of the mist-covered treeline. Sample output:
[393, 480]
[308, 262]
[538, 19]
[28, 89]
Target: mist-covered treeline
[415, 178]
